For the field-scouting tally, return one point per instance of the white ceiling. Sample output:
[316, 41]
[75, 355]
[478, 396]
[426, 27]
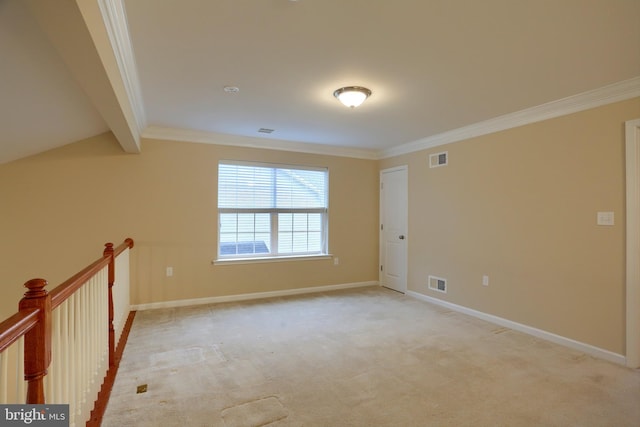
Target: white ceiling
[433, 66]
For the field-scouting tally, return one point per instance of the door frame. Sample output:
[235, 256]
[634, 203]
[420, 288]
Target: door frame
[381, 244]
[632, 156]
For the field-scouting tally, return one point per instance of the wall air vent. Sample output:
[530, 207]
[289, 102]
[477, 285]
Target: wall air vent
[438, 159]
[438, 284]
[265, 130]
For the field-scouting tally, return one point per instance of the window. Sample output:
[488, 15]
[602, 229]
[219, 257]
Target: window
[271, 210]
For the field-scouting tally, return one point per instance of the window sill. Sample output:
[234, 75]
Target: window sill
[270, 259]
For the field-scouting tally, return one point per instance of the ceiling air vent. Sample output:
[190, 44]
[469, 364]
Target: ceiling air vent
[438, 284]
[265, 130]
[438, 159]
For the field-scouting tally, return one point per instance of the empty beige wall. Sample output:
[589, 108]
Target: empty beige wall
[520, 206]
[59, 207]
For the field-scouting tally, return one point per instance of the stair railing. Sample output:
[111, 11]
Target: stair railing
[63, 346]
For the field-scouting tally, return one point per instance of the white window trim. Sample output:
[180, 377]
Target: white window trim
[254, 258]
[273, 165]
[281, 258]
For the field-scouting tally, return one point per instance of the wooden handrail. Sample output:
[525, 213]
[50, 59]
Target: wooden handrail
[75, 282]
[128, 243]
[16, 326]
[72, 284]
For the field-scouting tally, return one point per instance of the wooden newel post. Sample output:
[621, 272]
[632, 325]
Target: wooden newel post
[108, 252]
[37, 342]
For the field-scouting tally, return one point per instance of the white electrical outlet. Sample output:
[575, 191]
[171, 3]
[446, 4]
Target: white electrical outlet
[485, 280]
[169, 271]
[336, 261]
[605, 218]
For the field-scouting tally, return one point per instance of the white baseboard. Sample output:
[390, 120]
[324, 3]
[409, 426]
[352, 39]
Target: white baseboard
[539, 333]
[244, 297]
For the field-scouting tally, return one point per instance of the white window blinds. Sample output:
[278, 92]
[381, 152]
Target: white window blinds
[255, 187]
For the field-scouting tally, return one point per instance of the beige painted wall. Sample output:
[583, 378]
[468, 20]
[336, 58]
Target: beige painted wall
[520, 206]
[59, 207]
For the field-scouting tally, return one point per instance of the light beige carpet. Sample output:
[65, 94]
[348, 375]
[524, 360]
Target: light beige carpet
[366, 357]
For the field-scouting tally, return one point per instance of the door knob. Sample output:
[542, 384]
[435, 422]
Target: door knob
[401, 237]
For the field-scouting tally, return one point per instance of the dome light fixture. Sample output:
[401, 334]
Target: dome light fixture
[352, 96]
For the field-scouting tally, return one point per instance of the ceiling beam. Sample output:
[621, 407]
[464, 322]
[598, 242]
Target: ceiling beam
[78, 32]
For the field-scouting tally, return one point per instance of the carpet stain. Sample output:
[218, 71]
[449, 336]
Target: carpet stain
[178, 357]
[579, 357]
[255, 414]
[217, 353]
[596, 378]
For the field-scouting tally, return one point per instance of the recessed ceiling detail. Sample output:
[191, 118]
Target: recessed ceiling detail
[231, 89]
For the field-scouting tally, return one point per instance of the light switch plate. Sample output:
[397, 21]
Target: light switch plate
[605, 218]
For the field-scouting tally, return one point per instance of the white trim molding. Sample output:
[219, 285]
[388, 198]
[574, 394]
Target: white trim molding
[632, 136]
[266, 260]
[115, 20]
[252, 296]
[619, 91]
[567, 342]
[186, 135]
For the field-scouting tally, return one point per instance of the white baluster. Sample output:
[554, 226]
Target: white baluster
[64, 356]
[84, 338]
[77, 359]
[21, 390]
[4, 380]
[58, 373]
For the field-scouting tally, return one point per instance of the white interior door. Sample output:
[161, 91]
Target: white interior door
[393, 228]
[632, 352]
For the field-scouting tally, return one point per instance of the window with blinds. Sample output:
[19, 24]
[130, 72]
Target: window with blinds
[268, 211]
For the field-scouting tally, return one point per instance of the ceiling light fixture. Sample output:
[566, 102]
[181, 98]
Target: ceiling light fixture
[352, 96]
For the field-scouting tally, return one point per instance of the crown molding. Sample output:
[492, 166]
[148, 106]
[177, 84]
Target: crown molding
[615, 92]
[115, 20]
[114, 16]
[186, 135]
